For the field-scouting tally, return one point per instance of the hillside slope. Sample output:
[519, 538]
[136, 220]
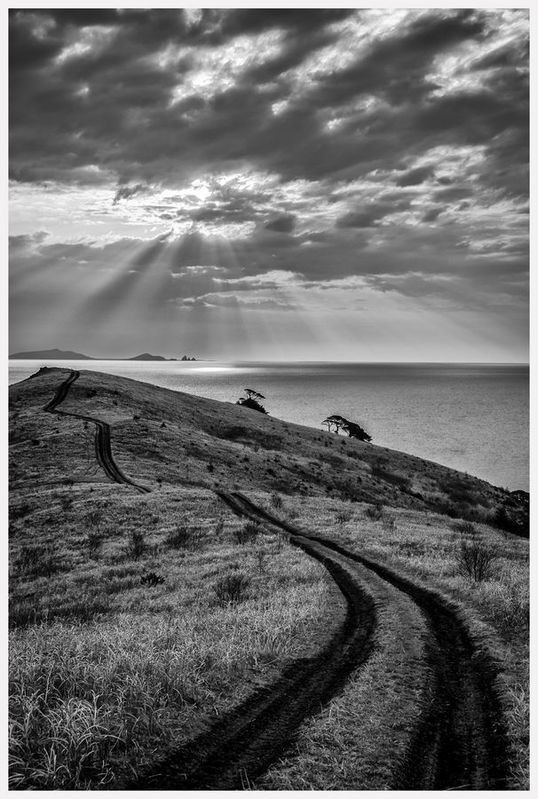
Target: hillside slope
[167, 630]
[170, 438]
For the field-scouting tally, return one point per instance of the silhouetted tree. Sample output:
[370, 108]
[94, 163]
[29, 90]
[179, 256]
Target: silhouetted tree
[353, 430]
[251, 400]
[356, 431]
[336, 421]
[252, 394]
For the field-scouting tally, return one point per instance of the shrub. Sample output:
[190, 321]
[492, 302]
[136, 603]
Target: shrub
[94, 518]
[137, 545]
[343, 516]
[389, 523]
[375, 512]
[466, 528]
[261, 560]
[152, 579]
[180, 538]
[276, 500]
[66, 503]
[94, 542]
[38, 561]
[515, 522]
[232, 588]
[21, 510]
[247, 532]
[476, 560]
[219, 527]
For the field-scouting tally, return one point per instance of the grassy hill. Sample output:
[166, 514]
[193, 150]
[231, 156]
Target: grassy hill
[169, 438]
[126, 639]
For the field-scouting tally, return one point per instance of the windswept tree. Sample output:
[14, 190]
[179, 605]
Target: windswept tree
[252, 400]
[356, 431]
[335, 421]
[351, 428]
[252, 394]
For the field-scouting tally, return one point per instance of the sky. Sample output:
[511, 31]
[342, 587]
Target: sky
[278, 184]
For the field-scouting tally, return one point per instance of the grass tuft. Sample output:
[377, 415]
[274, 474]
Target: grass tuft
[232, 588]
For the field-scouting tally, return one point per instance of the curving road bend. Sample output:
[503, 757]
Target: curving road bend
[243, 745]
[103, 448]
[460, 739]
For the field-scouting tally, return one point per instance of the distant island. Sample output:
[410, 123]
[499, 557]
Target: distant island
[57, 355]
[68, 355]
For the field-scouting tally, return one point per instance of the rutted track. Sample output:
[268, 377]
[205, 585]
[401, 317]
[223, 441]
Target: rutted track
[242, 746]
[103, 449]
[460, 741]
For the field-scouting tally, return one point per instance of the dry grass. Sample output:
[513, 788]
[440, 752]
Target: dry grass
[428, 547]
[116, 671]
[213, 444]
[107, 671]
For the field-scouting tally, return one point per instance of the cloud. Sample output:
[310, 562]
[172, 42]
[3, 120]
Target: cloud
[125, 192]
[432, 214]
[366, 217]
[178, 154]
[414, 176]
[282, 224]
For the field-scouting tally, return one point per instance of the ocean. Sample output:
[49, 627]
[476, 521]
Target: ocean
[471, 417]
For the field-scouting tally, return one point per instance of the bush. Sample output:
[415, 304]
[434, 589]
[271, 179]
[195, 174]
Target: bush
[515, 522]
[21, 510]
[375, 512]
[137, 545]
[276, 500]
[476, 560]
[344, 516]
[247, 532]
[180, 538]
[94, 542]
[66, 503]
[37, 561]
[152, 579]
[466, 528]
[389, 523]
[232, 589]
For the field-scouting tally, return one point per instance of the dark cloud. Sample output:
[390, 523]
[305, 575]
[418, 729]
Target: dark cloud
[281, 224]
[452, 193]
[109, 105]
[303, 20]
[432, 214]
[364, 217]
[414, 176]
[125, 192]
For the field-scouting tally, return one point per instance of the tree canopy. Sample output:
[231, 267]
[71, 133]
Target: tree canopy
[251, 400]
[351, 428]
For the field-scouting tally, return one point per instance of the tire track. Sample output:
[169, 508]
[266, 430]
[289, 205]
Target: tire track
[241, 747]
[460, 739]
[103, 447]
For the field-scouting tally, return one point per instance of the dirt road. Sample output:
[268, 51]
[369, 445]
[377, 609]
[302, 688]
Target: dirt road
[103, 448]
[460, 740]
